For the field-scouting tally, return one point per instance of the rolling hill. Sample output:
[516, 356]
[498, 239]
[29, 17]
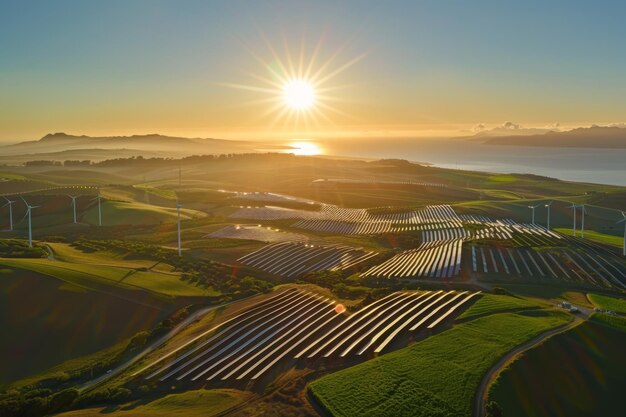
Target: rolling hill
[591, 137]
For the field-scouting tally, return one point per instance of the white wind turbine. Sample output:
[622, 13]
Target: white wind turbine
[548, 207]
[99, 198]
[180, 249]
[10, 204]
[573, 207]
[583, 211]
[30, 224]
[74, 197]
[623, 221]
[533, 213]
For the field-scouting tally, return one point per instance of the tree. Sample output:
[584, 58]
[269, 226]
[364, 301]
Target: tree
[62, 400]
[493, 409]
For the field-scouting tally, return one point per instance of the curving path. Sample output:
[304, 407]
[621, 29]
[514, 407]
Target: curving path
[480, 399]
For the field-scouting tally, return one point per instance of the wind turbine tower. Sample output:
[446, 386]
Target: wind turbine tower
[533, 213]
[29, 209]
[548, 207]
[99, 197]
[10, 204]
[74, 197]
[180, 249]
[583, 211]
[624, 221]
[573, 207]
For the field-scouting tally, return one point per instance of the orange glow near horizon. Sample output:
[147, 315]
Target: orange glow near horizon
[305, 148]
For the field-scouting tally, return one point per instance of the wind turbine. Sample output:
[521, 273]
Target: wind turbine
[10, 204]
[582, 221]
[74, 197]
[30, 225]
[573, 207]
[533, 211]
[548, 207]
[99, 197]
[178, 206]
[624, 221]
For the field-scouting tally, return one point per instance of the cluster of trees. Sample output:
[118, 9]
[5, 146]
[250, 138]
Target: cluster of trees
[77, 163]
[42, 162]
[12, 248]
[67, 163]
[35, 402]
[134, 160]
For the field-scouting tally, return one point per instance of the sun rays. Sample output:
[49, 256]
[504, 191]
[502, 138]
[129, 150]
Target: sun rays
[297, 86]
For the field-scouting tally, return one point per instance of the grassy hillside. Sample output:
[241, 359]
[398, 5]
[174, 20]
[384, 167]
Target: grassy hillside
[201, 402]
[608, 303]
[38, 311]
[120, 212]
[435, 377]
[108, 278]
[579, 372]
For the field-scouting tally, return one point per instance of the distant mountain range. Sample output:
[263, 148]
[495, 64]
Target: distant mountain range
[584, 137]
[61, 145]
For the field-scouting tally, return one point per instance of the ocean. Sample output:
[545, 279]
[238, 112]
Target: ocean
[602, 166]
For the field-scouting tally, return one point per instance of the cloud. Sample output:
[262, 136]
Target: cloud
[510, 126]
[479, 127]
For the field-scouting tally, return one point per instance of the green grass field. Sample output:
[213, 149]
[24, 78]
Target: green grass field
[435, 377]
[108, 277]
[608, 303]
[121, 212]
[491, 303]
[67, 253]
[188, 404]
[576, 373]
[595, 236]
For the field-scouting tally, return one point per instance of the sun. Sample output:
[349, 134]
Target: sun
[298, 94]
[300, 85]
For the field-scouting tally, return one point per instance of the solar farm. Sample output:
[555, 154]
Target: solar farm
[454, 246]
[290, 292]
[297, 327]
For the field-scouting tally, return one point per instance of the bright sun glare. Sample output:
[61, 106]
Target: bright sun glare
[304, 148]
[298, 84]
[298, 94]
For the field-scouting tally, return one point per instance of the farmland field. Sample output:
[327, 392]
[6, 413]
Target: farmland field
[434, 377]
[608, 303]
[491, 303]
[579, 372]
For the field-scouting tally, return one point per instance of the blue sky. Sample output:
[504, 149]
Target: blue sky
[135, 66]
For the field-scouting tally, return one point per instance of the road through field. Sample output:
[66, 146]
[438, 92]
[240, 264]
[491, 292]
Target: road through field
[480, 399]
[115, 371]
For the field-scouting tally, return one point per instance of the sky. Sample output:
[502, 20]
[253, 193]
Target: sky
[200, 68]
